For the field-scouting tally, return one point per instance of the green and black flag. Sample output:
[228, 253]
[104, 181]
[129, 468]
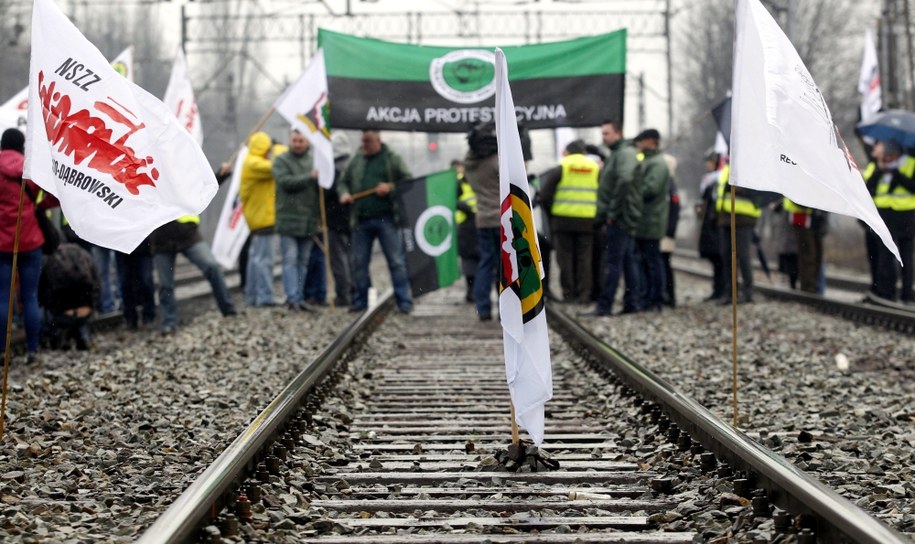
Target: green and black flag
[397, 86]
[427, 205]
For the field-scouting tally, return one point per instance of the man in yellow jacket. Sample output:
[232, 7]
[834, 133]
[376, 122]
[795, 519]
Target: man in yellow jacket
[258, 198]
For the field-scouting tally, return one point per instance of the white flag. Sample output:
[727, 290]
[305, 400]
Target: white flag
[179, 97]
[869, 80]
[113, 154]
[123, 64]
[231, 229]
[783, 138]
[521, 308]
[14, 112]
[306, 106]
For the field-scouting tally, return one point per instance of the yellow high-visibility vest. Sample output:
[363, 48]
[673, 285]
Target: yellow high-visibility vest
[791, 207]
[189, 219]
[576, 194]
[467, 196]
[742, 206]
[900, 200]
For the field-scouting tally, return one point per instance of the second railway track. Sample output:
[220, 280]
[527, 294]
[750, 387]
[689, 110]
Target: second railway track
[404, 453]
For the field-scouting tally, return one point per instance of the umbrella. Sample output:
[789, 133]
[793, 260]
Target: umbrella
[898, 125]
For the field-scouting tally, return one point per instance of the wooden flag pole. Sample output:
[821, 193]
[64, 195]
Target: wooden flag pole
[260, 124]
[734, 301]
[9, 309]
[330, 280]
[516, 435]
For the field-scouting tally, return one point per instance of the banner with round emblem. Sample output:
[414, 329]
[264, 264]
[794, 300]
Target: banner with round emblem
[398, 86]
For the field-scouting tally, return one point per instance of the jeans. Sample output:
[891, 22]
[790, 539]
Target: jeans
[652, 272]
[487, 271]
[29, 265]
[202, 257]
[341, 254]
[315, 288]
[135, 272]
[619, 261]
[295, 251]
[104, 258]
[388, 235]
[259, 270]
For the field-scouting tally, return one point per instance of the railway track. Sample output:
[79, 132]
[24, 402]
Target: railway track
[423, 411]
[865, 308]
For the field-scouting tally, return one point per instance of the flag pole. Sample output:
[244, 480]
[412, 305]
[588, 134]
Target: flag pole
[9, 309]
[327, 274]
[734, 301]
[260, 124]
[516, 435]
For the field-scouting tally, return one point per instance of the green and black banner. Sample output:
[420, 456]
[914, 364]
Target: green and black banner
[427, 206]
[393, 86]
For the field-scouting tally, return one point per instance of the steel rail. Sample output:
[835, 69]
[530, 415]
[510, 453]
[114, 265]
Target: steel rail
[187, 514]
[868, 313]
[787, 486]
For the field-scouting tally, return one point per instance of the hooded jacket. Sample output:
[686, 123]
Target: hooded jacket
[483, 175]
[653, 177]
[619, 196]
[258, 188]
[358, 177]
[30, 236]
[296, 195]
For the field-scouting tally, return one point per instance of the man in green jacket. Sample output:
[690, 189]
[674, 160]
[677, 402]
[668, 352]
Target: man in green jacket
[296, 215]
[372, 174]
[619, 210]
[653, 177]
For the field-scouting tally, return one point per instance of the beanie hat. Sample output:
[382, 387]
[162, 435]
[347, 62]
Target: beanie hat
[13, 139]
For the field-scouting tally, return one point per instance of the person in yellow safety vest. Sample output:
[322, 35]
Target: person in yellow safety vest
[746, 213]
[569, 191]
[468, 244]
[808, 226]
[183, 236]
[891, 181]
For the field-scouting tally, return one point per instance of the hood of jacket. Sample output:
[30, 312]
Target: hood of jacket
[11, 163]
[259, 144]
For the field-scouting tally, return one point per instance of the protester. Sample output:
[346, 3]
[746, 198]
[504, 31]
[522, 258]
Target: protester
[257, 192]
[653, 177]
[669, 241]
[619, 211]
[28, 265]
[808, 227]
[314, 290]
[481, 169]
[569, 191]
[465, 217]
[104, 262]
[183, 236]
[338, 227]
[135, 274]
[891, 181]
[373, 172]
[297, 215]
[709, 246]
[68, 291]
[746, 212]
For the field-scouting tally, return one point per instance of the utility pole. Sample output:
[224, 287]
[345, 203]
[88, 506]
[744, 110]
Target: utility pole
[911, 54]
[888, 55]
[670, 78]
[642, 101]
